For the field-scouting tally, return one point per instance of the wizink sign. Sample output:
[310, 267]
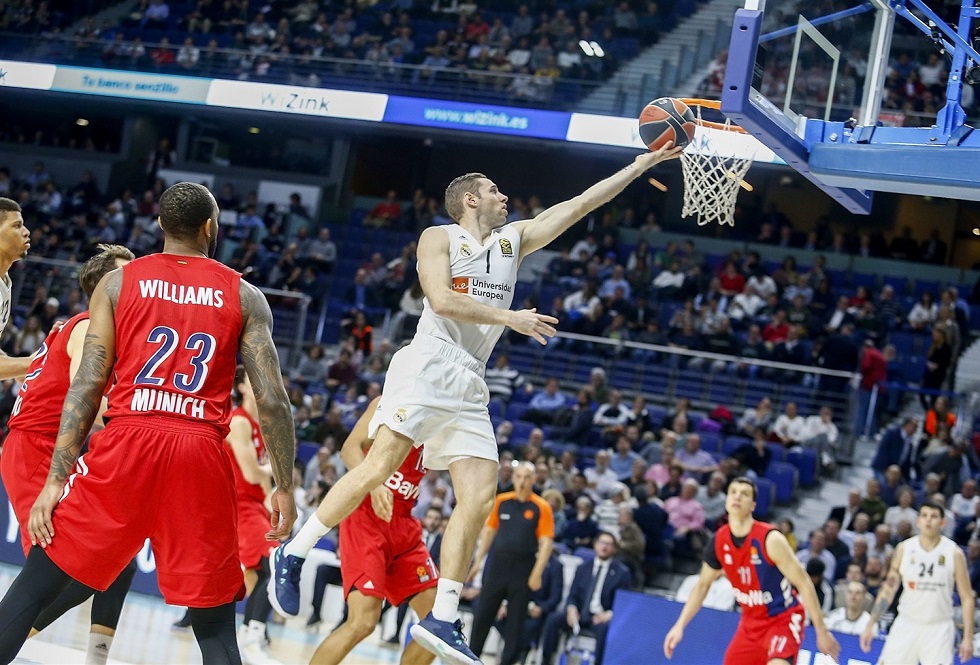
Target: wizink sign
[294, 99]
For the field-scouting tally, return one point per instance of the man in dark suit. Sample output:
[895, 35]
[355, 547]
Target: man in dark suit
[895, 448]
[840, 353]
[590, 600]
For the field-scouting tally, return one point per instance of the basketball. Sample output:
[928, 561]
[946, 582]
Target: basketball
[666, 119]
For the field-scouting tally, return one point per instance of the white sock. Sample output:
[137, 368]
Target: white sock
[98, 649]
[307, 537]
[446, 607]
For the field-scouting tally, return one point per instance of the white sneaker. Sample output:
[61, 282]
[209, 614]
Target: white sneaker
[251, 643]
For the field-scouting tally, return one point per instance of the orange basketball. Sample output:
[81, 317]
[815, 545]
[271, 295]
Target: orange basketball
[666, 119]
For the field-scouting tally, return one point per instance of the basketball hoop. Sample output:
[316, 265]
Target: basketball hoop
[711, 182]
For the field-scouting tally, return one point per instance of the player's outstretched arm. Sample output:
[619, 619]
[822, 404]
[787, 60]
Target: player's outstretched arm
[82, 403]
[353, 452]
[785, 559]
[694, 602]
[13, 367]
[436, 279]
[261, 362]
[967, 600]
[540, 231]
[884, 597]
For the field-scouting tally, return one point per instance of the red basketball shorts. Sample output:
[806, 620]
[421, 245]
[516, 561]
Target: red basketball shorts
[24, 465]
[254, 521]
[384, 559]
[159, 478]
[761, 641]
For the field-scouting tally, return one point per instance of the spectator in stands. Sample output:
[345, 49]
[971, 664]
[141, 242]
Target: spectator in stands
[326, 457]
[948, 464]
[816, 569]
[872, 504]
[964, 503]
[891, 485]
[840, 549]
[712, 499]
[821, 433]
[502, 379]
[924, 314]
[321, 252]
[313, 368]
[387, 213]
[697, 463]
[612, 416]
[817, 549]
[623, 459]
[874, 574]
[840, 353]
[903, 511]
[889, 310]
[761, 417]
[754, 457]
[668, 283]
[361, 294]
[578, 426]
[581, 530]
[687, 516]
[342, 372]
[582, 303]
[30, 337]
[546, 404]
[789, 428]
[938, 361]
[600, 477]
[853, 617]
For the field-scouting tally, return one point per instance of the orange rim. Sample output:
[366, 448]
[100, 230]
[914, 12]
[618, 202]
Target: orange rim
[715, 105]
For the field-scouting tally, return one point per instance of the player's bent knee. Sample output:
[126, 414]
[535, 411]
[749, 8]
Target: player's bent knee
[363, 625]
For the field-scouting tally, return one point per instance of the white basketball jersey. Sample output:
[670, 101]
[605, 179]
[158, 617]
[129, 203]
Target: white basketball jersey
[4, 301]
[487, 274]
[927, 581]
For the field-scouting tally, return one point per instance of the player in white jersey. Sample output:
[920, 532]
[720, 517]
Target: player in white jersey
[927, 566]
[15, 240]
[435, 390]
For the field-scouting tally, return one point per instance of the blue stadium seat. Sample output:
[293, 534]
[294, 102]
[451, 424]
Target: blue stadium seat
[767, 496]
[522, 429]
[733, 442]
[804, 459]
[778, 452]
[784, 476]
[710, 441]
[515, 411]
[306, 450]
[497, 408]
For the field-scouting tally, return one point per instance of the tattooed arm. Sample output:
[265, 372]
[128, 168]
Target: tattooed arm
[82, 403]
[261, 362]
[885, 596]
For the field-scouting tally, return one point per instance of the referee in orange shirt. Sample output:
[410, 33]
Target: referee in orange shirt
[521, 529]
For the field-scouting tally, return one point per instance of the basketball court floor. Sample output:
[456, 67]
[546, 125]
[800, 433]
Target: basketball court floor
[145, 635]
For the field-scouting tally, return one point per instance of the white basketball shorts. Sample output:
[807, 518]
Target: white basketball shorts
[909, 642]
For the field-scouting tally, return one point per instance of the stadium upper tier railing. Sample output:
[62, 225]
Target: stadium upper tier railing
[58, 278]
[348, 74]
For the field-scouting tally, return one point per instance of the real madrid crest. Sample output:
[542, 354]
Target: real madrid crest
[400, 415]
[465, 250]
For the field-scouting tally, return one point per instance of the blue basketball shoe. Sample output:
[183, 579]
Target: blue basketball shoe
[445, 640]
[284, 585]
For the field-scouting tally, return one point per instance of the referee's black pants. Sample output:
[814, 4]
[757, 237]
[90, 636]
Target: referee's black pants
[504, 578]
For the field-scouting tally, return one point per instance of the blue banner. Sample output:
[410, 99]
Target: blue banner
[477, 117]
[640, 623]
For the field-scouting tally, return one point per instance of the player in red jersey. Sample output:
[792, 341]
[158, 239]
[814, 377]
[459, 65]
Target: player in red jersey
[27, 449]
[381, 553]
[253, 480]
[770, 585]
[169, 327]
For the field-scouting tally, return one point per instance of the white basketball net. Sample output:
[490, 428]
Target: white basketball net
[711, 182]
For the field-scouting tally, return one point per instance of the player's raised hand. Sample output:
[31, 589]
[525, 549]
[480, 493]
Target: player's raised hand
[828, 644]
[39, 524]
[672, 639]
[650, 159]
[382, 502]
[529, 322]
[283, 515]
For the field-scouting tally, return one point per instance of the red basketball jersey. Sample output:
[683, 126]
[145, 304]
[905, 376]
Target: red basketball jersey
[760, 588]
[42, 396]
[248, 491]
[178, 322]
[404, 483]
